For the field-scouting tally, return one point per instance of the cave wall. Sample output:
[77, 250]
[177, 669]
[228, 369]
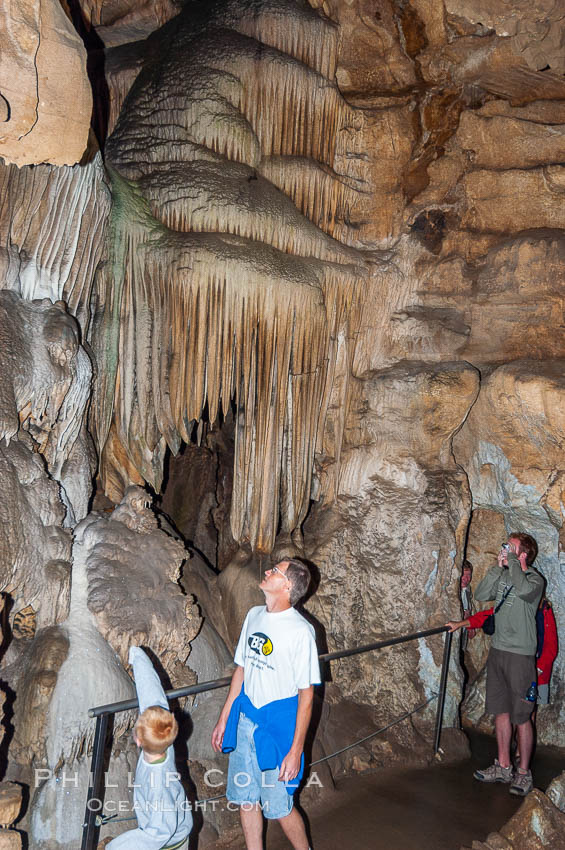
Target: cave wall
[45, 94]
[321, 241]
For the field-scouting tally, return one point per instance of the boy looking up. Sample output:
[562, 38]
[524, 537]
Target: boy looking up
[163, 812]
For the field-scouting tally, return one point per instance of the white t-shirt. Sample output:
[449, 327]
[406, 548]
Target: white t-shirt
[278, 654]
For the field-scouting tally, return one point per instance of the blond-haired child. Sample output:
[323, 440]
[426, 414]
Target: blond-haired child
[163, 812]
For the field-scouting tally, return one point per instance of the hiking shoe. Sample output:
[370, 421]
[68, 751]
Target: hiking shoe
[522, 783]
[495, 773]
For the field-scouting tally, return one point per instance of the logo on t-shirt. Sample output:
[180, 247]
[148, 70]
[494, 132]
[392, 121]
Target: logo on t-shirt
[260, 643]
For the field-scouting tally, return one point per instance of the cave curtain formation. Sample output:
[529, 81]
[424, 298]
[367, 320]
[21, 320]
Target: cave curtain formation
[227, 279]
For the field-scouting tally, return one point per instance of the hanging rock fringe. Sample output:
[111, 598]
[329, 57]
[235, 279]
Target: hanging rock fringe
[52, 225]
[226, 284]
[319, 193]
[296, 30]
[208, 197]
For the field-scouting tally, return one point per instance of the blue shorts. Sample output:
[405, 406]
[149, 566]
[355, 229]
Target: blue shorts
[247, 783]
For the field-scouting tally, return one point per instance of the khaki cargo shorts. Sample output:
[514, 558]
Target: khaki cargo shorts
[509, 675]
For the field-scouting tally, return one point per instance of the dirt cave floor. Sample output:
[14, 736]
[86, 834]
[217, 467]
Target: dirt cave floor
[436, 808]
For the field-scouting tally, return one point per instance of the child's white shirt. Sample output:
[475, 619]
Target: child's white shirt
[163, 813]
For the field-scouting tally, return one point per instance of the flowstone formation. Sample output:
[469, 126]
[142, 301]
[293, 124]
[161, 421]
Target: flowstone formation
[73, 601]
[224, 287]
[44, 465]
[125, 591]
[44, 451]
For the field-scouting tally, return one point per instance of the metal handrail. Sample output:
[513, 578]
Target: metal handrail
[104, 712]
[190, 690]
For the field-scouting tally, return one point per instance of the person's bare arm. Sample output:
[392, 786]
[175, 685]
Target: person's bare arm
[290, 766]
[454, 625]
[220, 727]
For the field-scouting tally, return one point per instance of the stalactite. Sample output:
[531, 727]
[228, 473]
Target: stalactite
[297, 30]
[235, 333]
[273, 89]
[230, 198]
[318, 192]
[278, 89]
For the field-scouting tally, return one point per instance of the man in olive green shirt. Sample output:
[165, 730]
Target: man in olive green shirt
[511, 666]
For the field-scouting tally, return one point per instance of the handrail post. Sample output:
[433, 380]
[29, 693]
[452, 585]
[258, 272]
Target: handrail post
[96, 789]
[442, 689]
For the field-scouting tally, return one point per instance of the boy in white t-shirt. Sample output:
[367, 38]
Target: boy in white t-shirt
[266, 715]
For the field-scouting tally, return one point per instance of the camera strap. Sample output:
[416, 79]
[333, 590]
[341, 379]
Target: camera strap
[502, 601]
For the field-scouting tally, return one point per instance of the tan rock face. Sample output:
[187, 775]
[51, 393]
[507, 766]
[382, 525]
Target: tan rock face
[505, 143]
[118, 21]
[375, 150]
[42, 72]
[512, 449]
[390, 541]
[370, 32]
[505, 302]
[537, 824]
[10, 840]
[284, 243]
[525, 199]
[10, 802]
[534, 30]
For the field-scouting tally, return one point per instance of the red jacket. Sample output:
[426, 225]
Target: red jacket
[477, 620]
[549, 648]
